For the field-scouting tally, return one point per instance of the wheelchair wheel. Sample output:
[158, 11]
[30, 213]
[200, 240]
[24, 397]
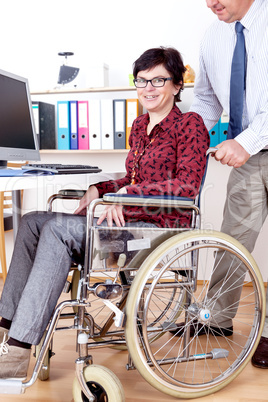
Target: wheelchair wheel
[174, 299]
[44, 372]
[180, 363]
[101, 314]
[102, 383]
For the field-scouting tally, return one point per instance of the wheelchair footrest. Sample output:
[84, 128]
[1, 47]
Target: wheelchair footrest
[169, 326]
[11, 387]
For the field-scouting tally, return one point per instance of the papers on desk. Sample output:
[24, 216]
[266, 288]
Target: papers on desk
[24, 172]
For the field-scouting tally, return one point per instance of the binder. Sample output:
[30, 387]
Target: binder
[94, 123]
[107, 135]
[223, 126]
[83, 130]
[35, 106]
[63, 124]
[133, 110]
[119, 123]
[45, 126]
[73, 125]
[214, 135]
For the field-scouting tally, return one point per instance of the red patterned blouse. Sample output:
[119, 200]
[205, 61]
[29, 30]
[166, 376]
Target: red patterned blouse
[170, 161]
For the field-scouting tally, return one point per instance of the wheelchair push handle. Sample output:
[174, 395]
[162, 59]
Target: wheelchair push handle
[211, 150]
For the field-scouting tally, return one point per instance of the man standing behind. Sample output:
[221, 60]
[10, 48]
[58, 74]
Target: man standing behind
[241, 29]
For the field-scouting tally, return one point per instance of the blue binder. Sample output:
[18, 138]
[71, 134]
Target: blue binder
[63, 124]
[73, 125]
[214, 135]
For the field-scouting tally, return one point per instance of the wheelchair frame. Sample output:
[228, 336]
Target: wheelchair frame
[158, 273]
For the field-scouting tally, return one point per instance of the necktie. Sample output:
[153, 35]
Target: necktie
[237, 85]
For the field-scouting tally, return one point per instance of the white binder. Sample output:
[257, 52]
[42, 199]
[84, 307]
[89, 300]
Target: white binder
[107, 132]
[94, 118]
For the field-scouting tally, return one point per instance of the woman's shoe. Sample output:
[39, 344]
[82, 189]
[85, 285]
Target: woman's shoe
[14, 361]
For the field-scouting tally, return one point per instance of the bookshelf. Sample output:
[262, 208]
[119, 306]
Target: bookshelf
[66, 90]
[107, 160]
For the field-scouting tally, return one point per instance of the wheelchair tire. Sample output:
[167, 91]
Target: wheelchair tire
[103, 384]
[190, 367]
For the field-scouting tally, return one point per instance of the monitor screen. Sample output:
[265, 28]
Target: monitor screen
[18, 140]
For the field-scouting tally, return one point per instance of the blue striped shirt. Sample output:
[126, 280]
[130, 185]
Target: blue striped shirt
[212, 87]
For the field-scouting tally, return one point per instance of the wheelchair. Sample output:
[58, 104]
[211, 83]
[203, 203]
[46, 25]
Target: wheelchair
[136, 285]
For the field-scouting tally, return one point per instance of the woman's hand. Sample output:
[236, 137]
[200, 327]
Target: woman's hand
[114, 213]
[91, 194]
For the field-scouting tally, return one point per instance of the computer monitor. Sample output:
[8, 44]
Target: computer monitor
[18, 140]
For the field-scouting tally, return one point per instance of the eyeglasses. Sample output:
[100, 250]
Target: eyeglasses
[155, 82]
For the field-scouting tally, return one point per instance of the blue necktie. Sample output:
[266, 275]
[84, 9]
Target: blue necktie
[237, 85]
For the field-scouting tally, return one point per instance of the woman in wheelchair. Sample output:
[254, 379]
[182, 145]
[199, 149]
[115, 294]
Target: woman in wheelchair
[167, 157]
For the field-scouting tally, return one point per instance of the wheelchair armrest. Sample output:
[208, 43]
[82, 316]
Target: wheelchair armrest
[68, 194]
[73, 193]
[157, 201]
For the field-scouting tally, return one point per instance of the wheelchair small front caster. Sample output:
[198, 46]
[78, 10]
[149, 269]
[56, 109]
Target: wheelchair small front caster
[102, 383]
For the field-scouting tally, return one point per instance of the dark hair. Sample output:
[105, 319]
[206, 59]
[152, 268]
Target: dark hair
[169, 57]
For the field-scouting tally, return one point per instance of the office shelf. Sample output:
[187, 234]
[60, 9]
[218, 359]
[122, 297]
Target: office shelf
[66, 90]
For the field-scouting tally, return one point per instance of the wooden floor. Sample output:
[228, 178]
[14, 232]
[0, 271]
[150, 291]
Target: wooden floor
[250, 386]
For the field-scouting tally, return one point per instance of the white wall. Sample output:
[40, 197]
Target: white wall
[112, 31]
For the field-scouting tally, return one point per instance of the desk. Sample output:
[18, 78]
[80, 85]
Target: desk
[49, 183]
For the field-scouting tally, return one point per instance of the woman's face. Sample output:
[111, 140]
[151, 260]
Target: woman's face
[157, 99]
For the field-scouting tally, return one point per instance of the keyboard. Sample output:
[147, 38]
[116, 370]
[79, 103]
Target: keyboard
[59, 168]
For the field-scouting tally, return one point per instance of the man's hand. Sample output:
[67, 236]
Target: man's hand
[231, 153]
[91, 194]
[114, 213]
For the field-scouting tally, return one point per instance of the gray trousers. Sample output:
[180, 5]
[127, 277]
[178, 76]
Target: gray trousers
[45, 246]
[245, 211]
